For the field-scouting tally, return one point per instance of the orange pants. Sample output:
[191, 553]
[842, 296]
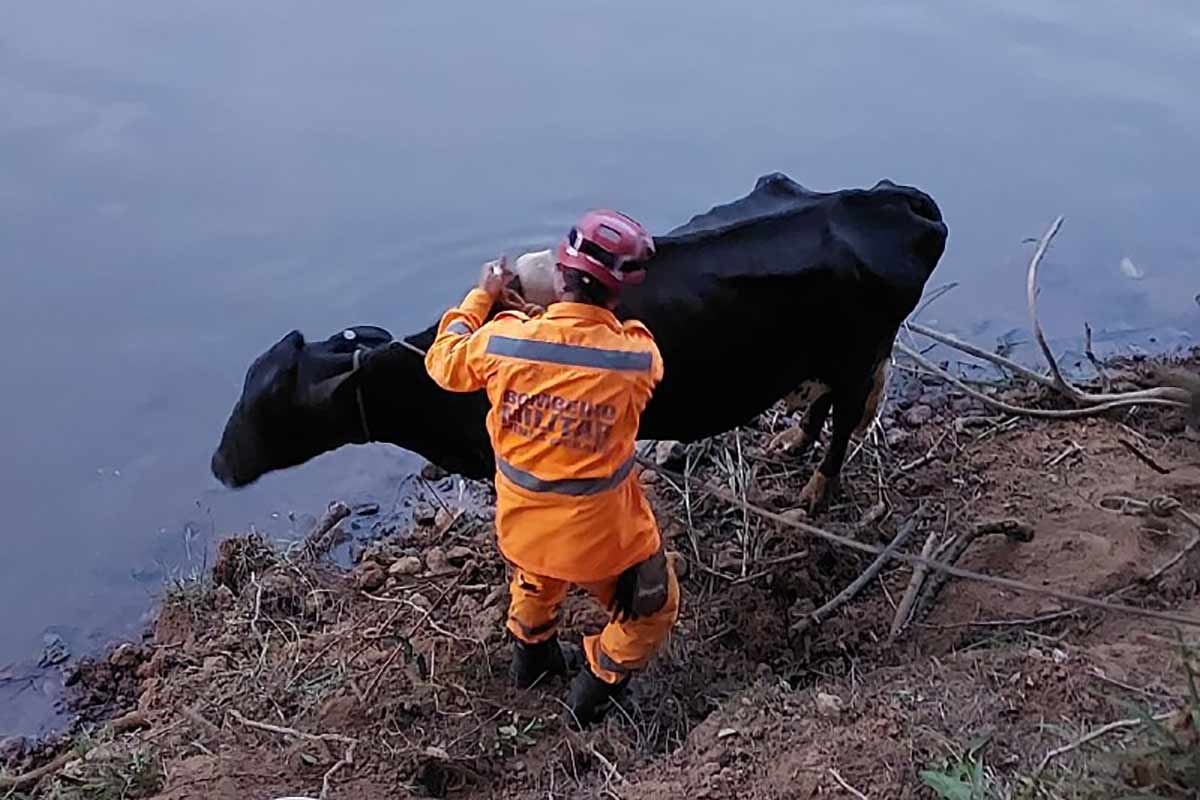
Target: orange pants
[619, 649]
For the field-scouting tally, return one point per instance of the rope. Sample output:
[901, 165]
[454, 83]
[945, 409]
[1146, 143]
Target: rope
[409, 346]
[929, 563]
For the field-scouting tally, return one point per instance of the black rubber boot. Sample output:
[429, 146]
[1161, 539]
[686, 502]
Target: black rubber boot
[532, 661]
[590, 699]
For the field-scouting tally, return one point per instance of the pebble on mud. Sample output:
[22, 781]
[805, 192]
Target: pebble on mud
[424, 515]
[829, 705]
[369, 577]
[126, 656]
[408, 565]
[459, 555]
[436, 561]
[918, 415]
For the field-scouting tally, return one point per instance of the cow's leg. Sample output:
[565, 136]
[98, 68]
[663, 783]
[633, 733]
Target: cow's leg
[796, 441]
[810, 426]
[850, 405]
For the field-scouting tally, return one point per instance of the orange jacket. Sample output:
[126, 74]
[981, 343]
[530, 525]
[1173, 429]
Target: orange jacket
[567, 389]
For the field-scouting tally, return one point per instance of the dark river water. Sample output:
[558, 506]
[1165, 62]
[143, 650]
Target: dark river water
[183, 183]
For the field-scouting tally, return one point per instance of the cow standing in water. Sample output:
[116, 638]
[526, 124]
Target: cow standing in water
[747, 302]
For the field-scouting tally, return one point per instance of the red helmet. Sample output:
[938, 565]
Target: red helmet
[609, 246]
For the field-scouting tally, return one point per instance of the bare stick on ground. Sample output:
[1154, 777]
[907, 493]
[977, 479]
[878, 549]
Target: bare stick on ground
[1097, 365]
[818, 616]
[842, 782]
[1144, 457]
[914, 587]
[321, 538]
[347, 761]
[1096, 734]
[14, 782]
[1043, 413]
[1014, 529]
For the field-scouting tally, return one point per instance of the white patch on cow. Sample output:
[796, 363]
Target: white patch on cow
[349, 335]
[536, 271]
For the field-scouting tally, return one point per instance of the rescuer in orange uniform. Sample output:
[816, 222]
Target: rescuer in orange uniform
[567, 389]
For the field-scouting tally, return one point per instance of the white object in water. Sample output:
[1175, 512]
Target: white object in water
[1131, 270]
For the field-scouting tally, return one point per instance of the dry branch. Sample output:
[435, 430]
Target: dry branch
[15, 782]
[1043, 413]
[914, 587]
[1089, 403]
[1014, 529]
[1062, 384]
[320, 539]
[978, 352]
[847, 594]
[1144, 457]
[1096, 734]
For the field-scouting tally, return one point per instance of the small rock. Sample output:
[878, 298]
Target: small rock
[408, 565]
[829, 705]
[437, 562]
[918, 415]
[669, 454]
[432, 472]
[424, 515]
[366, 510]
[126, 656]
[445, 518]
[224, 599]
[420, 601]
[649, 477]
[214, 663]
[725, 733]
[369, 577]
[459, 555]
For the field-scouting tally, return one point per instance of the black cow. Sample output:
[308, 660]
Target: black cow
[746, 302]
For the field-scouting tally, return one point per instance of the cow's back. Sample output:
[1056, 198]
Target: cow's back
[781, 286]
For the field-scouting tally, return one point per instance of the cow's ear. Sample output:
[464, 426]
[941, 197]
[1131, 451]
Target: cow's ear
[271, 372]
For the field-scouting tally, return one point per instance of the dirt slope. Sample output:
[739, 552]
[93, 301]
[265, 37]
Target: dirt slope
[254, 683]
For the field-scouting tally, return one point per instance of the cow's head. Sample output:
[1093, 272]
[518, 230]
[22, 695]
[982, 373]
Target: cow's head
[298, 401]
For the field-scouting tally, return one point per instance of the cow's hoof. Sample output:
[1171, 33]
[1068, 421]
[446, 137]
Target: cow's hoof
[794, 441]
[815, 493]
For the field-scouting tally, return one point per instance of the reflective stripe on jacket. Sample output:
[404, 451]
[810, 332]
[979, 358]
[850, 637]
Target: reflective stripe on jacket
[567, 389]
